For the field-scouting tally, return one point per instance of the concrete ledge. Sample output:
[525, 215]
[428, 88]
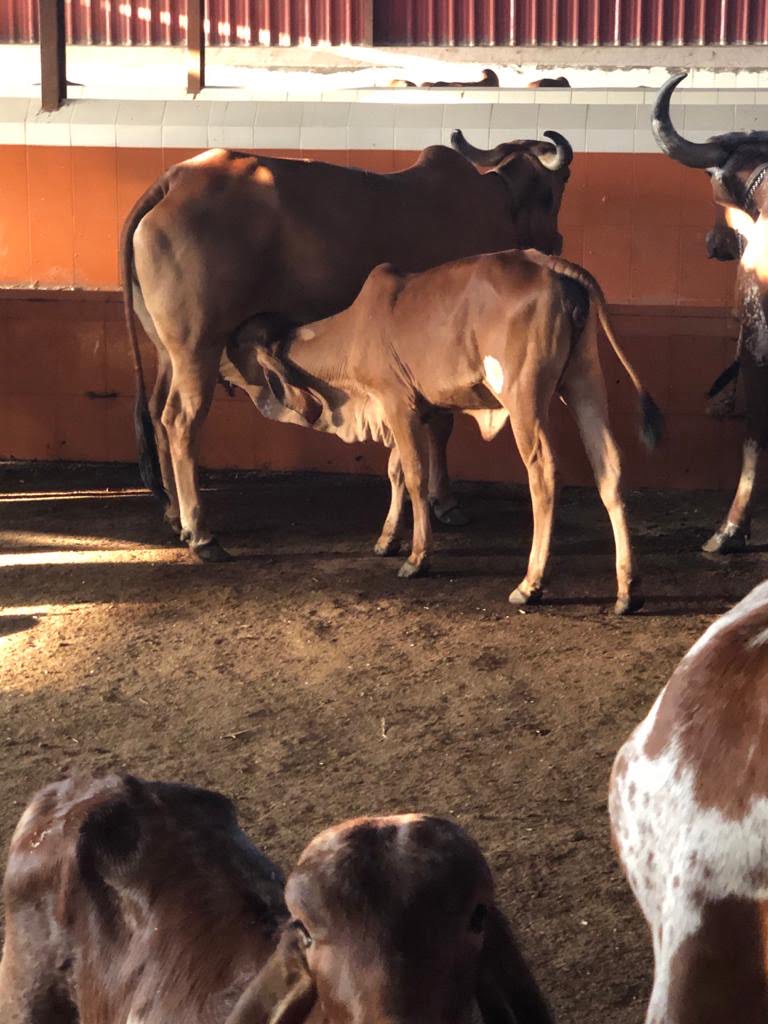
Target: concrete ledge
[612, 121]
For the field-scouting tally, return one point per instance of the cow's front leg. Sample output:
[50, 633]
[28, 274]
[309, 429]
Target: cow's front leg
[389, 541]
[733, 533]
[445, 505]
[411, 439]
[189, 397]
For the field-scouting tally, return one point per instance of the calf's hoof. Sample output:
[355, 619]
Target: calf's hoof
[728, 540]
[211, 551]
[628, 605]
[408, 570]
[450, 513]
[522, 595]
[385, 548]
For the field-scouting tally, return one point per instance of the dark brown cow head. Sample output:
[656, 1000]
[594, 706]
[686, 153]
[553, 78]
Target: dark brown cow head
[736, 162]
[534, 172]
[393, 920]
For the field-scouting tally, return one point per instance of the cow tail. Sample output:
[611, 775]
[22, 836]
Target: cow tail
[146, 441]
[651, 417]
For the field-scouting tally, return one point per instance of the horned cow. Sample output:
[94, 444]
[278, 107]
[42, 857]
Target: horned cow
[495, 336]
[737, 164]
[689, 813]
[132, 902]
[226, 236]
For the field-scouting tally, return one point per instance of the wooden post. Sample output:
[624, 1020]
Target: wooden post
[53, 54]
[367, 26]
[195, 46]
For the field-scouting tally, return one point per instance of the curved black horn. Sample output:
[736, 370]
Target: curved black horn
[561, 157]
[692, 154]
[481, 157]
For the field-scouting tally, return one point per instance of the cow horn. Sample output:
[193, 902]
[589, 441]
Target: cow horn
[481, 157]
[692, 154]
[561, 157]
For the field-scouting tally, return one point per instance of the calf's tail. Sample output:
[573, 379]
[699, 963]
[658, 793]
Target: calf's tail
[146, 442]
[651, 417]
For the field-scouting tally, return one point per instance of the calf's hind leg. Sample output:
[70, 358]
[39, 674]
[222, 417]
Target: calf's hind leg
[530, 433]
[583, 389]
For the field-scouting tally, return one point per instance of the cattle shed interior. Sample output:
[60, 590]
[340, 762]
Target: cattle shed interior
[634, 218]
[303, 678]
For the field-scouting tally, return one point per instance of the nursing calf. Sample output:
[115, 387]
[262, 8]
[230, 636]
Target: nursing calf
[496, 336]
[131, 902]
[689, 815]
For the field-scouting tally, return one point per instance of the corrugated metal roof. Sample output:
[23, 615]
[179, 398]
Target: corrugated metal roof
[405, 22]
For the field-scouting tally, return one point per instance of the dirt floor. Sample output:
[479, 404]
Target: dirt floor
[308, 682]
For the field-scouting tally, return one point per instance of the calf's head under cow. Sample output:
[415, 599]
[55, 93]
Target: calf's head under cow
[535, 173]
[393, 920]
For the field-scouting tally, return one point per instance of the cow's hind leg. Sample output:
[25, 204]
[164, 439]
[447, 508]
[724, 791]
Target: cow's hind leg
[528, 419]
[157, 402]
[444, 504]
[389, 541]
[583, 388]
[192, 385]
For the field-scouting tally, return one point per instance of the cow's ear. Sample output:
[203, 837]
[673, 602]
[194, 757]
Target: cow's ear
[507, 992]
[292, 396]
[283, 992]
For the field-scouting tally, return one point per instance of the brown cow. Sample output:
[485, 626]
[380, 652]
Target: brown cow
[227, 236]
[489, 80]
[689, 818]
[132, 902]
[737, 164]
[495, 336]
[550, 83]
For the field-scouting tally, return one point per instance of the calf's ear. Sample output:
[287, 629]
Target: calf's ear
[293, 397]
[507, 992]
[283, 991]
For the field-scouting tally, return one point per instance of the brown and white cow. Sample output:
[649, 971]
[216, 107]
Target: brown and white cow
[689, 817]
[226, 236]
[132, 902]
[737, 164]
[496, 336]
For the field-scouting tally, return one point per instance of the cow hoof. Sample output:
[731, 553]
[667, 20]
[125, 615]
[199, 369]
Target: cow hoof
[520, 597]
[728, 540]
[386, 548]
[409, 570]
[450, 513]
[211, 551]
[628, 605]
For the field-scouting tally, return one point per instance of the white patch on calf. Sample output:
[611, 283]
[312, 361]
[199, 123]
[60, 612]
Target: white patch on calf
[305, 334]
[494, 374]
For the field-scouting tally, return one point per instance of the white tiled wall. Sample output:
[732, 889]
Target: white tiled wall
[594, 120]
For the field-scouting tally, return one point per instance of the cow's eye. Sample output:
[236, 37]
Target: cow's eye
[304, 937]
[477, 920]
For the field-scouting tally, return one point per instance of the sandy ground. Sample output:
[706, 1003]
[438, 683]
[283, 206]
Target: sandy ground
[311, 684]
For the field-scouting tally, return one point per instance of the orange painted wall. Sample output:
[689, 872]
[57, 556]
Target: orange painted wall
[636, 221]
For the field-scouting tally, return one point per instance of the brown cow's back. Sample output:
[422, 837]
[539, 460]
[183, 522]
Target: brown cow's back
[257, 215]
